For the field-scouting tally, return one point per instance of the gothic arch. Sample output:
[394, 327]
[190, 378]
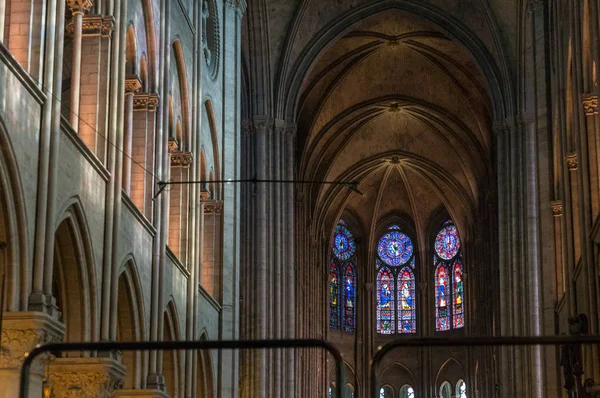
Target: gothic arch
[397, 375]
[212, 125]
[172, 361]
[130, 322]
[73, 261]
[204, 377]
[131, 66]
[185, 143]
[451, 371]
[13, 228]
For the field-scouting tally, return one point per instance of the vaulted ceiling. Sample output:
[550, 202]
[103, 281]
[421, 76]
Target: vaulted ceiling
[400, 107]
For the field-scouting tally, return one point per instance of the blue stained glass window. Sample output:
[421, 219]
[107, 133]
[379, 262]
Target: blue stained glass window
[385, 301]
[395, 248]
[449, 283]
[334, 307]
[343, 244]
[406, 302]
[447, 242]
[349, 298]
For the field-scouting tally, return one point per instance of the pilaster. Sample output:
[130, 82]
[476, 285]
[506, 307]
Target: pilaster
[22, 332]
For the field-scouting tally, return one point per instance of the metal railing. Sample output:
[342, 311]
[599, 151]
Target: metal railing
[471, 342]
[184, 345]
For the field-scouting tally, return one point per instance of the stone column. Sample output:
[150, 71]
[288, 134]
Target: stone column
[22, 332]
[290, 255]
[78, 8]
[132, 86]
[2, 16]
[84, 377]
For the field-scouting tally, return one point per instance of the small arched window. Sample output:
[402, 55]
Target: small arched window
[449, 283]
[342, 280]
[348, 391]
[445, 390]
[332, 392]
[461, 389]
[396, 299]
[386, 392]
[407, 392]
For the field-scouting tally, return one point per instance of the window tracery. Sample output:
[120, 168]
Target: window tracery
[342, 280]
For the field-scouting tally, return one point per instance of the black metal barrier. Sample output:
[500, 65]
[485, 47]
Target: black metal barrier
[472, 342]
[184, 345]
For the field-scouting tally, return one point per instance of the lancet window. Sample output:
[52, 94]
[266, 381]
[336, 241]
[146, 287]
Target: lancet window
[342, 280]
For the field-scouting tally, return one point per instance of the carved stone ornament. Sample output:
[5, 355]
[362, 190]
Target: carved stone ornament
[557, 208]
[205, 194]
[79, 6]
[263, 126]
[590, 104]
[213, 207]
[291, 129]
[181, 159]
[22, 332]
[572, 161]
[247, 127]
[95, 25]
[211, 36]
[173, 144]
[84, 377]
[132, 84]
[145, 102]
[238, 5]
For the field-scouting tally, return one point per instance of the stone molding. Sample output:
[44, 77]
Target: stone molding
[557, 208]
[205, 194]
[181, 159]
[139, 394]
[84, 377]
[95, 25]
[22, 332]
[263, 126]
[590, 104]
[145, 102]
[572, 161]
[80, 6]
[132, 84]
[213, 207]
[291, 129]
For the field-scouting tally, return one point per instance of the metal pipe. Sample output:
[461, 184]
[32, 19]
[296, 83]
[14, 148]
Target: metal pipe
[182, 345]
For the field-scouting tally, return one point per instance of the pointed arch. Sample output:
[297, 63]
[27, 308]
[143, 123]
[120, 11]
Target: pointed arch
[349, 298]
[183, 89]
[14, 258]
[442, 298]
[450, 371]
[212, 125]
[407, 301]
[172, 360]
[334, 294]
[407, 391]
[386, 391]
[204, 376]
[385, 301]
[73, 274]
[131, 67]
[461, 389]
[445, 390]
[458, 295]
[130, 322]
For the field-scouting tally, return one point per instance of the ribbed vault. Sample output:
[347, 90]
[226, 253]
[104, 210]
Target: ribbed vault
[398, 106]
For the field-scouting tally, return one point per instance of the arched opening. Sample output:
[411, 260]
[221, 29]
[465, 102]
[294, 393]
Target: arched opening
[130, 324]
[171, 361]
[204, 376]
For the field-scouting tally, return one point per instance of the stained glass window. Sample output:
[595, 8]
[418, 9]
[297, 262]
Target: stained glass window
[407, 392]
[343, 243]
[449, 280]
[395, 248]
[441, 298]
[349, 295]
[334, 307]
[385, 301]
[458, 296]
[396, 299]
[406, 301]
[386, 392]
[349, 391]
[332, 392]
[461, 389]
[342, 280]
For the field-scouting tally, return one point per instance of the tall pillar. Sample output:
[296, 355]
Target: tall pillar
[78, 8]
[132, 86]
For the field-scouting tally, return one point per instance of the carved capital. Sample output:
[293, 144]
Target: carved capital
[590, 104]
[572, 161]
[84, 377]
[534, 5]
[213, 207]
[22, 332]
[263, 126]
[291, 129]
[95, 25]
[205, 194]
[557, 208]
[145, 102]
[181, 159]
[132, 84]
[173, 144]
[79, 6]
[238, 5]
